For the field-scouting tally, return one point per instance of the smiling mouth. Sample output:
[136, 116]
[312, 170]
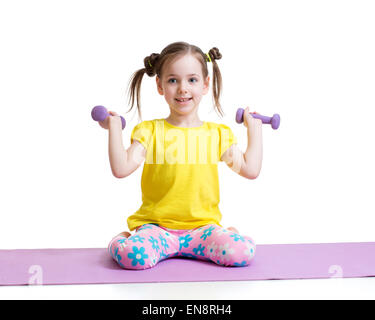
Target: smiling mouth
[183, 100]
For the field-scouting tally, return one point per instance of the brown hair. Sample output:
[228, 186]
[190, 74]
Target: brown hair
[154, 64]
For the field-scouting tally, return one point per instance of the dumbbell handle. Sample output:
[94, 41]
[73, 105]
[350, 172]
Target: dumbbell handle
[274, 121]
[100, 113]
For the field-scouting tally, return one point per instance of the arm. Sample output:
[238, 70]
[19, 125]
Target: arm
[123, 162]
[254, 153]
[248, 164]
[235, 160]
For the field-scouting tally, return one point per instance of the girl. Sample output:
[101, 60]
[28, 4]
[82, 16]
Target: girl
[179, 215]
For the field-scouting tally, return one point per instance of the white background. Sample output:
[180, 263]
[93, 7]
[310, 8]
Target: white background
[310, 61]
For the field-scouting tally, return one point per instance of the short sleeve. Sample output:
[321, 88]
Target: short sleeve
[227, 138]
[143, 133]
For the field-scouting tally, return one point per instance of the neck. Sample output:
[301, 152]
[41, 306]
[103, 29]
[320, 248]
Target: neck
[189, 120]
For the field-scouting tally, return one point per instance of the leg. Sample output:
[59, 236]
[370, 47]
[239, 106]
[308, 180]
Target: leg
[149, 245]
[222, 246]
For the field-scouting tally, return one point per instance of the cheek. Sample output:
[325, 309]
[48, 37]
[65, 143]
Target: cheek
[169, 92]
[198, 92]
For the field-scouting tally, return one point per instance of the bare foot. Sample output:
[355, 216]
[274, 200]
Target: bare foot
[124, 234]
[233, 229]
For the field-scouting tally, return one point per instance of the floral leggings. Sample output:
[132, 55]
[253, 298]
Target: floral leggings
[152, 243]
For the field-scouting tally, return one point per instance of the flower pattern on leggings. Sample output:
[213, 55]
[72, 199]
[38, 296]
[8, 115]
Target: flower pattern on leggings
[122, 243]
[207, 233]
[199, 250]
[237, 237]
[211, 249]
[184, 241]
[163, 241]
[137, 238]
[225, 252]
[138, 256]
[152, 243]
[155, 243]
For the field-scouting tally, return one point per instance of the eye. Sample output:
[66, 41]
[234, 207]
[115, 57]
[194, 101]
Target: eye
[172, 80]
[193, 80]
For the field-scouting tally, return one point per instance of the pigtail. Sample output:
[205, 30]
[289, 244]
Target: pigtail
[135, 82]
[214, 54]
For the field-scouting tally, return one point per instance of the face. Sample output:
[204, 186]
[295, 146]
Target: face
[182, 84]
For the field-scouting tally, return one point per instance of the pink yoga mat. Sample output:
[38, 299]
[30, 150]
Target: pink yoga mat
[278, 261]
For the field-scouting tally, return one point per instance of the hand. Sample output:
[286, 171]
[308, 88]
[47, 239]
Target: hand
[113, 118]
[250, 122]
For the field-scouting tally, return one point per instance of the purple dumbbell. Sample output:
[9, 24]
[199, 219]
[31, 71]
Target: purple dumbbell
[99, 113]
[274, 121]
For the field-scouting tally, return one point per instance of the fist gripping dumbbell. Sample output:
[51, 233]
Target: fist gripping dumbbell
[274, 121]
[100, 113]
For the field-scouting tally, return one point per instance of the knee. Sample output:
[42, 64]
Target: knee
[130, 256]
[137, 258]
[237, 254]
[246, 253]
[250, 247]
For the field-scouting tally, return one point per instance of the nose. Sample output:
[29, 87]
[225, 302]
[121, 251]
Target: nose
[182, 88]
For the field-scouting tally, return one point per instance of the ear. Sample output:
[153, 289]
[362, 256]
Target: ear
[206, 85]
[158, 85]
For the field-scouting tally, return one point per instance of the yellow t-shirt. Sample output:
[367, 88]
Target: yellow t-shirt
[180, 184]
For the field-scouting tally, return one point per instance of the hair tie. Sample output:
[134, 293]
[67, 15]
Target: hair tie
[149, 63]
[209, 58]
